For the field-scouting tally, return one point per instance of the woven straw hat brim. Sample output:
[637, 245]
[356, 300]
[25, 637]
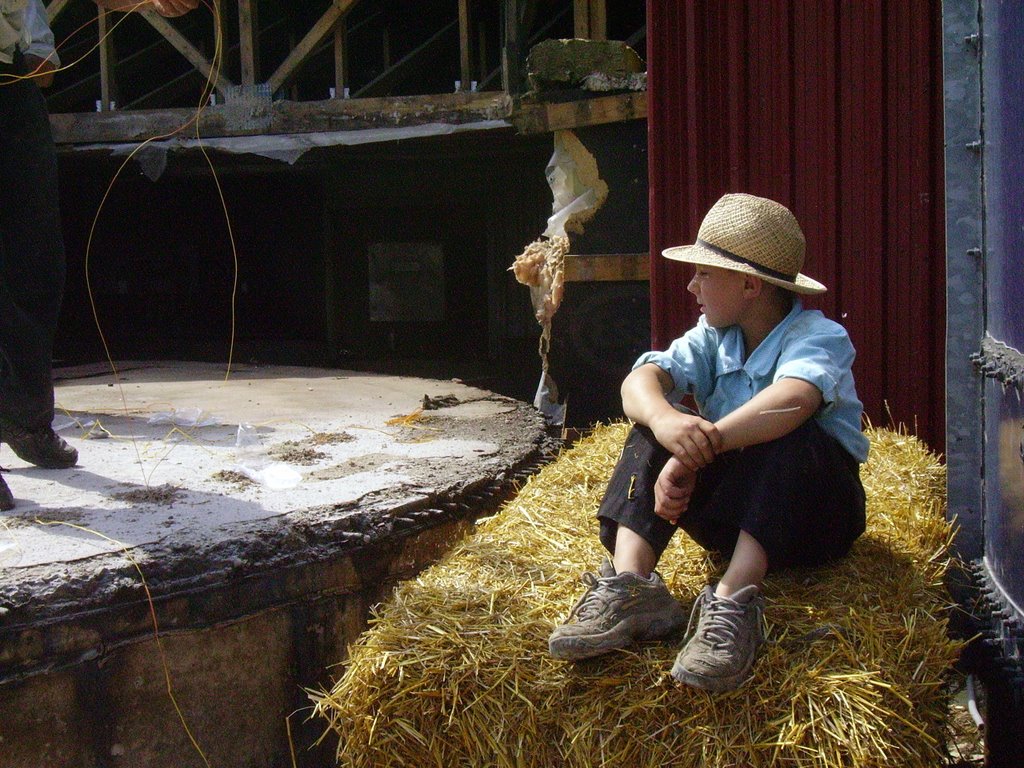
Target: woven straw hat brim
[698, 254]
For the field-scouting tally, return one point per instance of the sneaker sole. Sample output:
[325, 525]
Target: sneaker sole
[622, 635]
[712, 684]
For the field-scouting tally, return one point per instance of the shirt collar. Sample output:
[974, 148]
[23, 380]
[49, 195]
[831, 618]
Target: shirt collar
[762, 361]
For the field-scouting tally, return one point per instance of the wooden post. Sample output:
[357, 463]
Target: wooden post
[300, 52]
[598, 20]
[590, 19]
[340, 58]
[106, 60]
[481, 51]
[511, 54]
[465, 35]
[248, 27]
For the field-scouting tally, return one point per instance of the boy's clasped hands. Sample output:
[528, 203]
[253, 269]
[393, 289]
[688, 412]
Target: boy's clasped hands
[694, 443]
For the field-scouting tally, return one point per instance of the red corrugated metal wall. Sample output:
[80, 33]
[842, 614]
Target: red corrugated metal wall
[834, 108]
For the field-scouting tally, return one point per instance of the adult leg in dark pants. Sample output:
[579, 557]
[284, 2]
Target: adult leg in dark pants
[32, 272]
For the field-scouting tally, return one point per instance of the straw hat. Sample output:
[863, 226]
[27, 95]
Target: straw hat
[754, 235]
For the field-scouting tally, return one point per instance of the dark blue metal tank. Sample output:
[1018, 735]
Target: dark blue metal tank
[984, 112]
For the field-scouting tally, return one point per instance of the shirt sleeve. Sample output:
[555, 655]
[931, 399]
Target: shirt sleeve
[689, 360]
[822, 355]
[37, 26]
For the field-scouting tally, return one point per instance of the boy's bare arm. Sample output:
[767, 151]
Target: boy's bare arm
[775, 411]
[693, 440]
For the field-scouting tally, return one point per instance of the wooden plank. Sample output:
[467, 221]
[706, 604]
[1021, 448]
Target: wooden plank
[556, 116]
[291, 65]
[607, 267]
[248, 25]
[281, 117]
[186, 49]
[465, 68]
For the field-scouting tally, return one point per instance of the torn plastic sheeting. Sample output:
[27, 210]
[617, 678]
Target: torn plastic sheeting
[277, 476]
[184, 417]
[287, 148]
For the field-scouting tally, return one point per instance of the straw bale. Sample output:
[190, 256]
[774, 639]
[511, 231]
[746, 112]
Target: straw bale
[454, 670]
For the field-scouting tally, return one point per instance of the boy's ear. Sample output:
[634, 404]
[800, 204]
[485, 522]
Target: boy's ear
[752, 286]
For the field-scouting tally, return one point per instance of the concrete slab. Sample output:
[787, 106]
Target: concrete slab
[192, 476]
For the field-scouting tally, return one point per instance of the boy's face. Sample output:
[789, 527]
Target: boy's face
[719, 293]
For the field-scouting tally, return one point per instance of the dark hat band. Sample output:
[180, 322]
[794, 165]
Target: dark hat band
[759, 267]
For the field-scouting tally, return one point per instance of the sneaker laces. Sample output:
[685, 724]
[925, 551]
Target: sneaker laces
[720, 619]
[592, 600]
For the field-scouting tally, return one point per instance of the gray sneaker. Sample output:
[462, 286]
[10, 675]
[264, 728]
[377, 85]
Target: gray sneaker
[616, 611]
[719, 654]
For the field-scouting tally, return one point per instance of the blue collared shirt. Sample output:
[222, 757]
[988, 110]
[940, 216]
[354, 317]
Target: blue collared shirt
[709, 364]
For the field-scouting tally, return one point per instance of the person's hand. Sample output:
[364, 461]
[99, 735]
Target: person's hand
[173, 7]
[41, 70]
[692, 440]
[672, 490]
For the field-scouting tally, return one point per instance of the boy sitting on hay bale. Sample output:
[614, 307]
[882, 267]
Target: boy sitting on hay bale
[767, 474]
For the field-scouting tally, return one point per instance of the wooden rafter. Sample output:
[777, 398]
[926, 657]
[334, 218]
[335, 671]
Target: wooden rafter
[53, 9]
[395, 72]
[291, 65]
[189, 51]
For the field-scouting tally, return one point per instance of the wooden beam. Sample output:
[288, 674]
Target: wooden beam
[542, 117]
[280, 117]
[465, 34]
[248, 28]
[606, 267]
[186, 49]
[291, 65]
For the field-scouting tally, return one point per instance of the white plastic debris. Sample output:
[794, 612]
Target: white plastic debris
[183, 417]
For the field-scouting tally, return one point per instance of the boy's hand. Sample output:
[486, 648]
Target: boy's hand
[692, 440]
[672, 490]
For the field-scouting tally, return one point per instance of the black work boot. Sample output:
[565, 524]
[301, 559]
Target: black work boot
[6, 497]
[42, 447]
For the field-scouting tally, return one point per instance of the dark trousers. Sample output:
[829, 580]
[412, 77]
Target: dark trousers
[800, 497]
[32, 266]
